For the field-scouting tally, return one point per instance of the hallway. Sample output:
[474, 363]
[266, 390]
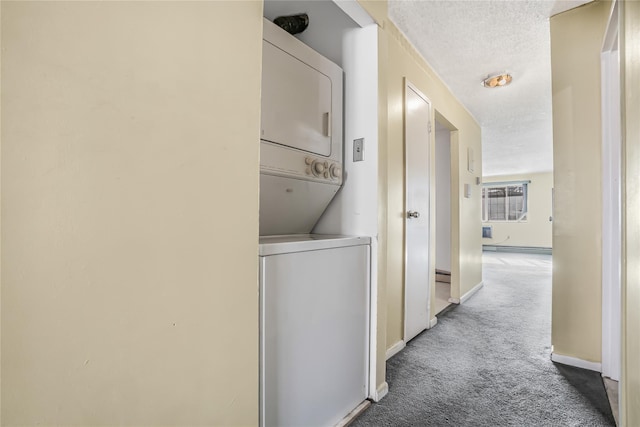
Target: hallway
[487, 362]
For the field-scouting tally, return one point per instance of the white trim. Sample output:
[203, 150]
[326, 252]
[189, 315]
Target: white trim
[578, 363]
[454, 300]
[464, 298]
[381, 392]
[395, 349]
[373, 317]
[354, 414]
[433, 322]
[356, 12]
[611, 201]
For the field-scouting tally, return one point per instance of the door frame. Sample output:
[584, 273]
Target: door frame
[454, 205]
[611, 201]
[410, 86]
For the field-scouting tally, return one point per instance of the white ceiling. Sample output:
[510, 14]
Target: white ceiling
[466, 40]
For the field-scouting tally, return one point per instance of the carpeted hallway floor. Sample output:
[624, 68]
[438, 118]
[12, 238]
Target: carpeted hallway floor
[487, 362]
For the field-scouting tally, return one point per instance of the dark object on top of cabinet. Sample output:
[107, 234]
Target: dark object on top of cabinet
[293, 24]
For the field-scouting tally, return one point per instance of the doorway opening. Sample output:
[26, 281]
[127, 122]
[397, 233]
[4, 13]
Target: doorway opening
[443, 216]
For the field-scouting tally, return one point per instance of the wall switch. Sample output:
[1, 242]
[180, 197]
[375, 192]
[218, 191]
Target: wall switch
[358, 150]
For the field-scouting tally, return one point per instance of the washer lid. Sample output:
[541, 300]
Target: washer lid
[275, 245]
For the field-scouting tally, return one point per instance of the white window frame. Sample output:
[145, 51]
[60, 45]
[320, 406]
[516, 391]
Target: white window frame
[524, 217]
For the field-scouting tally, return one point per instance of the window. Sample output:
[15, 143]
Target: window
[504, 202]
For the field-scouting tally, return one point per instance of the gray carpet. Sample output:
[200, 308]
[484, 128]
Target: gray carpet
[487, 362]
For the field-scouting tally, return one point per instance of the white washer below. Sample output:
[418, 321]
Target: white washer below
[314, 328]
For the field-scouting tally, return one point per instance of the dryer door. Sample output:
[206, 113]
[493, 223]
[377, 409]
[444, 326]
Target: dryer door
[296, 103]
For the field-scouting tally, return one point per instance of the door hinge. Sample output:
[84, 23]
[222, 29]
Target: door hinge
[429, 127]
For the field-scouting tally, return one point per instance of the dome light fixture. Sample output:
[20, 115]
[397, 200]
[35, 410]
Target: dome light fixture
[497, 80]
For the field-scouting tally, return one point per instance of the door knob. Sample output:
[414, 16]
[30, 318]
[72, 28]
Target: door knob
[413, 214]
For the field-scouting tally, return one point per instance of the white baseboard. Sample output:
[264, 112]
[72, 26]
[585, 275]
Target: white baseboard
[469, 294]
[578, 363]
[381, 391]
[454, 300]
[395, 349]
[433, 322]
[354, 414]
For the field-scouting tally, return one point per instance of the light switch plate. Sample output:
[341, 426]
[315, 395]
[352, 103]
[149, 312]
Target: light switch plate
[471, 161]
[358, 150]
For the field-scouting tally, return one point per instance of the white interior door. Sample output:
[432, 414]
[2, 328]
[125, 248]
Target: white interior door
[417, 148]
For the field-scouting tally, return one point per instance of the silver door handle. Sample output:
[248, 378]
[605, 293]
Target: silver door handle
[413, 214]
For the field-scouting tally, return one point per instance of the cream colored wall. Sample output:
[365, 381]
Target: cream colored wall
[403, 62]
[398, 59]
[630, 60]
[377, 9]
[537, 229]
[130, 213]
[576, 42]
[443, 199]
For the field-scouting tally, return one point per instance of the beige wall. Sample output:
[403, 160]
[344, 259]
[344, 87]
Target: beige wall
[377, 9]
[129, 262]
[536, 230]
[576, 42]
[630, 59]
[403, 62]
[397, 60]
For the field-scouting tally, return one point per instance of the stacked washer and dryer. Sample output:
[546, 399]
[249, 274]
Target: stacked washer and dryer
[314, 289]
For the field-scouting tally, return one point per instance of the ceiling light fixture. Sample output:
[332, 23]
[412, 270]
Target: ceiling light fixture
[497, 80]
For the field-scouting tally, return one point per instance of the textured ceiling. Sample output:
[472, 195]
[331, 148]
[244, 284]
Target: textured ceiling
[464, 41]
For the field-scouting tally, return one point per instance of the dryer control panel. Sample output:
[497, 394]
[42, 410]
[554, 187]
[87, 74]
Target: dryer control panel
[286, 162]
